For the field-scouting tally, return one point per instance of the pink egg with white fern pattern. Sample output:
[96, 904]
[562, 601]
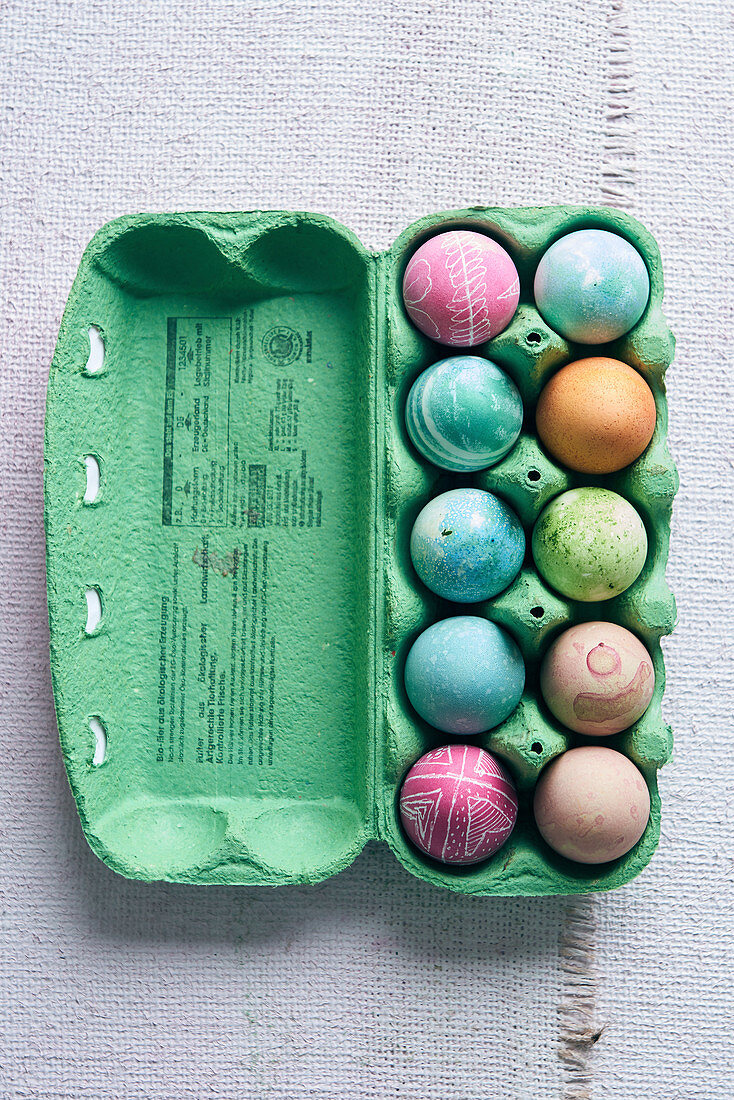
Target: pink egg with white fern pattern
[458, 804]
[461, 288]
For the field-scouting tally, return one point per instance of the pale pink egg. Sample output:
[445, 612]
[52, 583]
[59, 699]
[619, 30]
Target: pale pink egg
[461, 288]
[458, 804]
[597, 678]
[591, 804]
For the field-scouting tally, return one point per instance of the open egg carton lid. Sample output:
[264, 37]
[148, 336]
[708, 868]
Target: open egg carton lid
[229, 494]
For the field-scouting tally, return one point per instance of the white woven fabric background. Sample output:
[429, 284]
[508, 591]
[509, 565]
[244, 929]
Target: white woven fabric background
[371, 985]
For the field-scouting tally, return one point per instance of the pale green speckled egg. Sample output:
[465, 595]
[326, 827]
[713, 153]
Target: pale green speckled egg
[590, 544]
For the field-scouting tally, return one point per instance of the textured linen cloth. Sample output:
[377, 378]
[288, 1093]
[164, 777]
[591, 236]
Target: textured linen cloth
[371, 985]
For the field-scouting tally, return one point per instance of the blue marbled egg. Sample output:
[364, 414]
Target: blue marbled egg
[467, 545]
[464, 675]
[592, 286]
[463, 413]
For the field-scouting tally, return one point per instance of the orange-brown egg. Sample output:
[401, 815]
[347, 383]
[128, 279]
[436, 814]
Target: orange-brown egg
[596, 415]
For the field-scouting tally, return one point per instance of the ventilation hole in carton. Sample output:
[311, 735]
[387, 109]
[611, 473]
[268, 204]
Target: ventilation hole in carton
[536, 747]
[534, 338]
[534, 475]
[93, 478]
[537, 612]
[100, 741]
[94, 610]
[95, 362]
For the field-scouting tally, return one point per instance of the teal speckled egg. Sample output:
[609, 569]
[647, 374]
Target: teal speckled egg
[467, 545]
[463, 413]
[592, 286]
[464, 675]
[590, 544]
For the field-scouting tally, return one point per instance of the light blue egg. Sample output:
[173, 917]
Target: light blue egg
[592, 286]
[463, 413]
[467, 545]
[464, 675]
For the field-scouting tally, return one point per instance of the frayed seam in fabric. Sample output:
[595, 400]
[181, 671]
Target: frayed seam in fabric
[618, 169]
[577, 1010]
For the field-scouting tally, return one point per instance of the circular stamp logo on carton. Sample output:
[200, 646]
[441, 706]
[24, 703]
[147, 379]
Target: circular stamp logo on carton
[282, 345]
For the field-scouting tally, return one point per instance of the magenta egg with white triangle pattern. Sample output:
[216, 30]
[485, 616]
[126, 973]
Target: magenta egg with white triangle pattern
[461, 288]
[458, 804]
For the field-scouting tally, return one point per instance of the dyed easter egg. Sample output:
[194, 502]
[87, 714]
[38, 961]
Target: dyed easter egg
[463, 413]
[590, 544]
[464, 675]
[461, 288]
[458, 804]
[592, 286]
[591, 804]
[597, 678]
[596, 415]
[467, 545]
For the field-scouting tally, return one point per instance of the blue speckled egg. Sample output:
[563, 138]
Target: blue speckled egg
[463, 413]
[464, 675]
[467, 545]
[592, 286]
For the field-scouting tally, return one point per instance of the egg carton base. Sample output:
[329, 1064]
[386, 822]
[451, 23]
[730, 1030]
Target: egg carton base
[234, 712]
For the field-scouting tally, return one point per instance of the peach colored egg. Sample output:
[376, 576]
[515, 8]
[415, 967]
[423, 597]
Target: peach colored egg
[591, 804]
[597, 678]
[596, 415]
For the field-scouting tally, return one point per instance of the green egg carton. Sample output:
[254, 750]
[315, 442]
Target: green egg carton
[229, 494]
